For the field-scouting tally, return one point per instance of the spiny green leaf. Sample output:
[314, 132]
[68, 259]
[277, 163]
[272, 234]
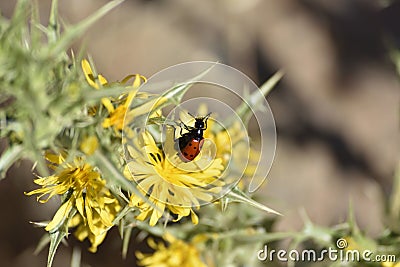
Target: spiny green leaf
[176, 93]
[235, 195]
[245, 109]
[43, 242]
[55, 240]
[114, 91]
[122, 214]
[76, 257]
[77, 30]
[173, 96]
[58, 235]
[54, 26]
[125, 242]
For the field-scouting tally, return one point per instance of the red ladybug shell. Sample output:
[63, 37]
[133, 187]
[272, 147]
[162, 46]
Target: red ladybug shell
[191, 150]
[189, 144]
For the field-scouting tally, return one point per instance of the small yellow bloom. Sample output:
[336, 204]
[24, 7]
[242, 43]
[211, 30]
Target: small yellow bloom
[84, 231]
[119, 114]
[119, 110]
[85, 191]
[89, 145]
[167, 186]
[177, 254]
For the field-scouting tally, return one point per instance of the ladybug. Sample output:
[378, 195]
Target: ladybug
[190, 143]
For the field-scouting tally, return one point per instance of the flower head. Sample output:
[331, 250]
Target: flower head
[166, 185]
[83, 230]
[84, 190]
[177, 254]
[119, 110]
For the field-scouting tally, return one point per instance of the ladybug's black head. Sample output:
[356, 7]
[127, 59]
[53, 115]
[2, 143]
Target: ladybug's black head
[201, 122]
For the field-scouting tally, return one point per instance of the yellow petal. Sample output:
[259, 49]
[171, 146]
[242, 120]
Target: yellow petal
[80, 206]
[60, 216]
[96, 240]
[195, 219]
[87, 70]
[54, 158]
[108, 105]
[81, 233]
[102, 79]
[157, 213]
[89, 145]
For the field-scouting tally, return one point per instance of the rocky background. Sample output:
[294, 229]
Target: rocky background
[336, 110]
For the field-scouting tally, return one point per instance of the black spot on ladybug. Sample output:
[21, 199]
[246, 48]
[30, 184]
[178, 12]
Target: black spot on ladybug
[191, 156]
[184, 153]
[190, 144]
[194, 147]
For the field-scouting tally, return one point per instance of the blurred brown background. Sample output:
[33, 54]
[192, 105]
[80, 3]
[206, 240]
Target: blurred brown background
[336, 110]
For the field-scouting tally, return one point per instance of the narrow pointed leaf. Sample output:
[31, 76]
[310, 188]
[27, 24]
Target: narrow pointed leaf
[245, 109]
[125, 242]
[43, 242]
[76, 257]
[55, 240]
[238, 196]
[77, 30]
[9, 157]
[54, 26]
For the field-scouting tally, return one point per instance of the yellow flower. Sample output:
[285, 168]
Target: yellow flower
[83, 229]
[166, 185]
[119, 110]
[120, 115]
[85, 191]
[177, 254]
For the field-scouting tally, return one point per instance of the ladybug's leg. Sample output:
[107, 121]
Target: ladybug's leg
[180, 133]
[184, 126]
